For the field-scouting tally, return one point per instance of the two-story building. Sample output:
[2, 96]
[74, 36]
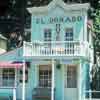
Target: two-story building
[55, 64]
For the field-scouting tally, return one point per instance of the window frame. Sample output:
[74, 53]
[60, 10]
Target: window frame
[45, 77]
[71, 81]
[69, 34]
[8, 76]
[47, 35]
[27, 66]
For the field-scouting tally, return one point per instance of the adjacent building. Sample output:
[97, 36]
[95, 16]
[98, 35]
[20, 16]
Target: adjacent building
[3, 44]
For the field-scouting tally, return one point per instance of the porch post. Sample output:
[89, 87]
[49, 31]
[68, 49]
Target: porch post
[14, 93]
[53, 81]
[15, 78]
[80, 82]
[23, 84]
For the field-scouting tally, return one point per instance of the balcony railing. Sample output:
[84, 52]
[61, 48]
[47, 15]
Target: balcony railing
[56, 48]
[42, 93]
[92, 95]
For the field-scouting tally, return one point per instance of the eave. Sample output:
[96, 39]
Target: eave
[54, 3]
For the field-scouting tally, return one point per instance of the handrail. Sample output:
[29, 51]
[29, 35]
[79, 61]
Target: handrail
[90, 94]
[56, 48]
[42, 92]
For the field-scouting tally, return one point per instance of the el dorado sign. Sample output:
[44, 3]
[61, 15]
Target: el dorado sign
[52, 20]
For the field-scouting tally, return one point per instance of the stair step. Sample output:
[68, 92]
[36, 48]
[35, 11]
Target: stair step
[41, 99]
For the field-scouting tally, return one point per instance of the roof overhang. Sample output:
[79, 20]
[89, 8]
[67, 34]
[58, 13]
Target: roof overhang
[54, 3]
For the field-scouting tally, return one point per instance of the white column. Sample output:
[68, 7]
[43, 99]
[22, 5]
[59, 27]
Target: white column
[80, 80]
[53, 81]
[24, 48]
[90, 94]
[15, 78]
[14, 93]
[23, 84]
[14, 89]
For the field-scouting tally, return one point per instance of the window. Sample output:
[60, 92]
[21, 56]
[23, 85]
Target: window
[58, 32]
[74, 1]
[21, 76]
[69, 37]
[44, 76]
[8, 77]
[71, 77]
[26, 73]
[69, 34]
[47, 35]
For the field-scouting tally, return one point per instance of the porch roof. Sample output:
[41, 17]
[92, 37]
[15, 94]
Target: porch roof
[10, 65]
[12, 59]
[12, 56]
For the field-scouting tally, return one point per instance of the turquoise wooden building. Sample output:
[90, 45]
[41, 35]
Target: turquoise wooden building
[55, 65]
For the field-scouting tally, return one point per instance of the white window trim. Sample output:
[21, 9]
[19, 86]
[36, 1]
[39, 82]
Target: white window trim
[49, 79]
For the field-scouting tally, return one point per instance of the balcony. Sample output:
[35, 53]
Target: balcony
[56, 49]
[92, 95]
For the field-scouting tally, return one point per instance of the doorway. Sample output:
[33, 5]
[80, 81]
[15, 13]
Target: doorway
[70, 82]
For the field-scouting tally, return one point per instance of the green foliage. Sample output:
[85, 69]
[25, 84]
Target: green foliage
[97, 31]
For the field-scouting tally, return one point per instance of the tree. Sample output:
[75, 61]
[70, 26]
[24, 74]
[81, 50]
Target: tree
[95, 85]
[97, 31]
[14, 19]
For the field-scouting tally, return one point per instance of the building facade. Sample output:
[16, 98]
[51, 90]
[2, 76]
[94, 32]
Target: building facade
[55, 65]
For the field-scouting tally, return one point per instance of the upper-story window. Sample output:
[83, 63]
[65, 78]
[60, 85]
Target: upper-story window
[47, 35]
[69, 34]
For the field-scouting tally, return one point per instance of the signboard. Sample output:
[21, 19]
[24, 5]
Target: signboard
[52, 20]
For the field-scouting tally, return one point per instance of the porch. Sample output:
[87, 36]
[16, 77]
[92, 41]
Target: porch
[51, 81]
[67, 53]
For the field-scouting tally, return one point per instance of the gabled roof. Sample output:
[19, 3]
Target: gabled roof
[2, 37]
[54, 3]
[14, 55]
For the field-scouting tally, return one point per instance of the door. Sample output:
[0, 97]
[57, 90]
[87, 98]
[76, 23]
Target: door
[70, 83]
